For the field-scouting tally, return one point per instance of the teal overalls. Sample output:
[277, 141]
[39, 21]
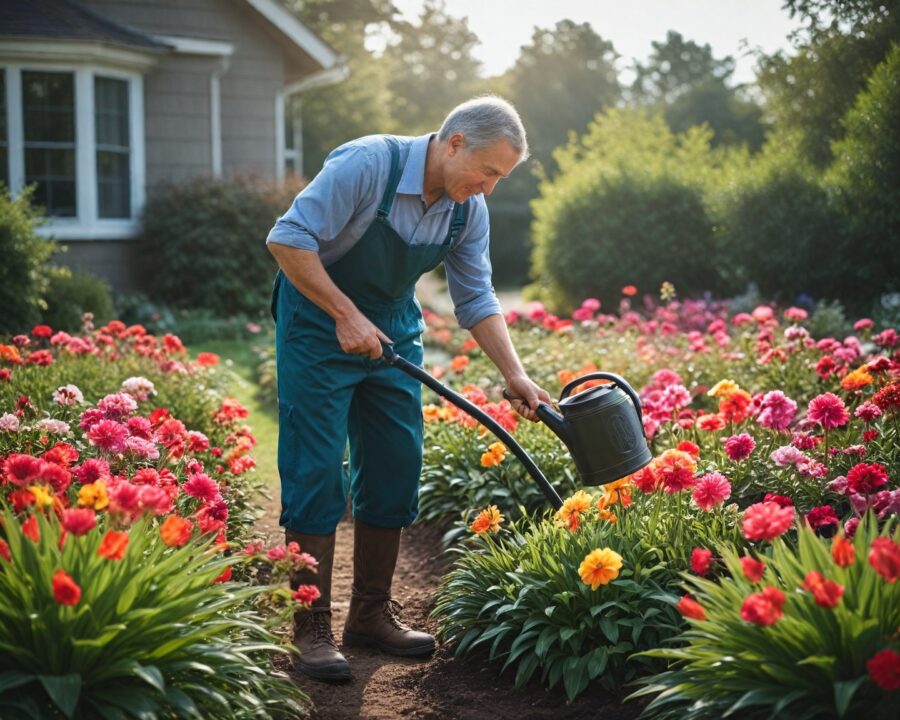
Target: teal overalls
[326, 395]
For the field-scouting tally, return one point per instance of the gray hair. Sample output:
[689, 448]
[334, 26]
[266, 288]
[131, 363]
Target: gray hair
[485, 120]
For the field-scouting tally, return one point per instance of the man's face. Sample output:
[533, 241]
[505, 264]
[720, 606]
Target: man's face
[469, 172]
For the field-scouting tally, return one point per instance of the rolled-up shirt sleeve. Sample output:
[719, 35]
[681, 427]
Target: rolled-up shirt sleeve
[324, 207]
[468, 267]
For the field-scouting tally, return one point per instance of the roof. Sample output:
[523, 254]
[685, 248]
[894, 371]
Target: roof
[67, 20]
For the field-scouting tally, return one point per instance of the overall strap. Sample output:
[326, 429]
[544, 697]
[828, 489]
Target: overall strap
[458, 221]
[393, 179]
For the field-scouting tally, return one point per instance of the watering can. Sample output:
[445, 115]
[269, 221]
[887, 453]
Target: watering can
[601, 426]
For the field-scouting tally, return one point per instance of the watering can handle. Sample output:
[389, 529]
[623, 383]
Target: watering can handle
[618, 380]
[543, 409]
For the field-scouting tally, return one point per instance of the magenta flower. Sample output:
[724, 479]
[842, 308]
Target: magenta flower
[766, 521]
[203, 487]
[868, 411]
[739, 447]
[822, 516]
[828, 410]
[776, 410]
[117, 406]
[108, 435]
[712, 489]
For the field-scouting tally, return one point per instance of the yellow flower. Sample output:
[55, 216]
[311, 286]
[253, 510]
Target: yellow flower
[431, 413]
[94, 495]
[488, 519]
[43, 498]
[600, 567]
[723, 388]
[616, 491]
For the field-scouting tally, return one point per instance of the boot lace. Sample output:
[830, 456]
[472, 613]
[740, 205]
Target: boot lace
[321, 627]
[391, 612]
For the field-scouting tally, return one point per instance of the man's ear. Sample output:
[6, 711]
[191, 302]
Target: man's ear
[456, 143]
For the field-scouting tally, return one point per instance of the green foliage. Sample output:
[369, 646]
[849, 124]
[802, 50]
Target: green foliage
[151, 636]
[626, 208]
[519, 594]
[779, 231]
[23, 281]
[810, 664]
[866, 177]
[204, 243]
[71, 294]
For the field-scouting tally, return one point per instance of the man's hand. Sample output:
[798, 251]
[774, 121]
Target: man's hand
[521, 386]
[358, 336]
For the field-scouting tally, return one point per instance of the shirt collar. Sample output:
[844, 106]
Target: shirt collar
[412, 181]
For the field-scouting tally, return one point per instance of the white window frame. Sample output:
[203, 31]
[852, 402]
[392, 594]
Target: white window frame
[86, 225]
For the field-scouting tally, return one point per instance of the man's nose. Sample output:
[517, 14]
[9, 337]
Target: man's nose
[488, 186]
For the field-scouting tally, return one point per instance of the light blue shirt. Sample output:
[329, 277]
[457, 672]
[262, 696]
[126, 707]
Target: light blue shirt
[331, 214]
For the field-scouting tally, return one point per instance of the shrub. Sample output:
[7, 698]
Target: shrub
[625, 210]
[25, 253]
[814, 661]
[204, 244]
[142, 631]
[71, 294]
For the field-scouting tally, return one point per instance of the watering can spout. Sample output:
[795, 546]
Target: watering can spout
[554, 421]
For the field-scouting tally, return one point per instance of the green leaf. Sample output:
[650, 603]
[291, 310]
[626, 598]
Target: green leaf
[63, 690]
[610, 629]
[843, 693]
[12, 679]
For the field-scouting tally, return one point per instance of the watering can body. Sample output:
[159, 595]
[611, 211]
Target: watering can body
[602, 427]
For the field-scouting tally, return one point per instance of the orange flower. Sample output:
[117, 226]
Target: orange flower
[617, 491]
[690, 608]
[723, 389]
[488, 520]
[495, 455]
[857, 379]
[459, 363]
[94, 495]
[565, 376]
[629, 290]
[113, 545]
[605, 514]
[176, 531]
[842, 551]
[600, 567]
[736, 407]
[569, 514]
[10, 352]
[710, 422]
[65, 589]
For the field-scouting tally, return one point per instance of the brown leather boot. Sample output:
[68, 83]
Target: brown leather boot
[318, 655]
[373, 619]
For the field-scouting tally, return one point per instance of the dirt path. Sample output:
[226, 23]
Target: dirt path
[440, 688]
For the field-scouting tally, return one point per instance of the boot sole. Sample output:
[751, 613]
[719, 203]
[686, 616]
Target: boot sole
[329, 673]
[354, 640]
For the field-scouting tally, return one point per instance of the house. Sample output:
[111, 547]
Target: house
[100, 100]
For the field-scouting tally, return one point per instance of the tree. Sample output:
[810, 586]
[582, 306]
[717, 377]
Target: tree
[430, 68]
[809, 93]
[560, 82]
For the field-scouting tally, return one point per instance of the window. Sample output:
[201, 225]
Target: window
[4, 141]
[113, 148]
[48, 111]
[292, 139]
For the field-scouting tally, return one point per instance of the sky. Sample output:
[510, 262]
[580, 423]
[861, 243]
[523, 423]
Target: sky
[503, 26]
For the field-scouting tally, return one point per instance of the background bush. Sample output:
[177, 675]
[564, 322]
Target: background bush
[204, 243]
[71, 294]
[25, 253]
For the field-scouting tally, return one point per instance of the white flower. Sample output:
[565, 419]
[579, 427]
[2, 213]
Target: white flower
[9, 422]
[68, 395]
[54, 427]
[138, 387]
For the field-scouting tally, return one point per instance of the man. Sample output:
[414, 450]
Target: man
[382, 211]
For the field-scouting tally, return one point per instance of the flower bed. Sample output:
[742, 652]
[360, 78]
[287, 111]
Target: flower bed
[126, 486]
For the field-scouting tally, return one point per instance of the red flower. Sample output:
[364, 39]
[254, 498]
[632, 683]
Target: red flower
[108, 435]
[20, 469]
[202, 487]
[763, 608]
[645, 481]
[884, 669]
[224, 577]
[688, 447]
[753, 569]
[866, 478]
[207, 359]
[40, 357]
[113, 545]
[42, 331]
[65, 589]
[739, 447]
[766, 521]
[31, 529]
[884, 556]
[701, 560]
[826, 592]
[4, 551]
[822, 516]
[780, 500]
[828, 410]
[61, 454]
[629, 290]
[306, 594]
[690, 608]
[842, 551]
[79, 521]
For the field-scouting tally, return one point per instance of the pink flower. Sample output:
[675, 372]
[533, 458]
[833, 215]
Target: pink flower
[142, 448]
[125, 498]
[868, 411]
[89, 418]
[20, 469]
[739, 447]
[712, 489]
[68, 395]
[828, 410]
[863, 324]
[91, 470]
[766, 521]
[787, 456]
[822, 516]
[108, 435]
[306, 594]
[140, 427]
[701, 560]
[203, 487]
[776, 410]
[780, 500]
[79, 521]
[753, 569]
[117, 406]
[156, 500]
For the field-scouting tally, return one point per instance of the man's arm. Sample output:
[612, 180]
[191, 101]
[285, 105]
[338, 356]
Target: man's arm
[492, 336]
[355, 332]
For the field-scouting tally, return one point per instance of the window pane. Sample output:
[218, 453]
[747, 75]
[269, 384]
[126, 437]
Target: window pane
[113, 152]
[48, 109]
[48, 101]
[4, 154]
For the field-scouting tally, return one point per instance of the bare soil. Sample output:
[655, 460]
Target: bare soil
[440, 687]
